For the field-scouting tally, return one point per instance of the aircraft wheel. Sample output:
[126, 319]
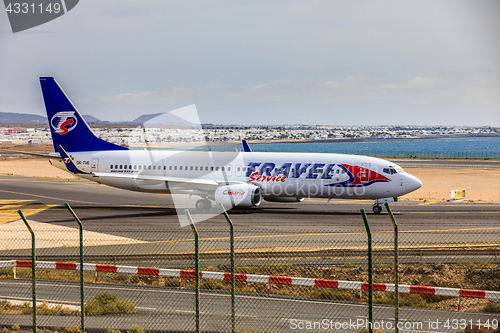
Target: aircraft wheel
[200, 204]
[377, 209]
[203, 204]
[208, 204]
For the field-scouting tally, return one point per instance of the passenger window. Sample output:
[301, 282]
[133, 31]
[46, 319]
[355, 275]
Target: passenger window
[228, 169]
[111, 166]
[164, 167]
[135, 167]
[222, 168]
[175, 167]
[191, 168]
[238, 169]
[149, 167]
[121, 166]
[196, 168]
[170, 167]
[154, 167]
[180, 168]
[206, 168]
[130, 167]
[116, 166]
[186, 168]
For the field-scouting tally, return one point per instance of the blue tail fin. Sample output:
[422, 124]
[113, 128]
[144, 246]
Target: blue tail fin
[67, 126]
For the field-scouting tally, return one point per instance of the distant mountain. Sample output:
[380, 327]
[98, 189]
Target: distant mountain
[11, 117]
[91, 119]
[164, 118]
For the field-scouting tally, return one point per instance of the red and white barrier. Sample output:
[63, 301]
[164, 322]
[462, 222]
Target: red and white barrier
[269, 279]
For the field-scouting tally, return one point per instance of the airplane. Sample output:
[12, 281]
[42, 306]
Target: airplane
[240, 179]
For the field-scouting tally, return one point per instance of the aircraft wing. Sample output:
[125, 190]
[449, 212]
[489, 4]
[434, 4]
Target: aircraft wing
[179, 183]
[44, 155]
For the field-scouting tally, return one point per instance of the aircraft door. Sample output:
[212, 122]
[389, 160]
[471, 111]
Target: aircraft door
[95, 164]
[364, 173]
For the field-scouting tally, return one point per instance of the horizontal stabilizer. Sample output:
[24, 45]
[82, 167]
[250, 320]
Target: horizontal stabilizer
[69, 163]
[44, 155]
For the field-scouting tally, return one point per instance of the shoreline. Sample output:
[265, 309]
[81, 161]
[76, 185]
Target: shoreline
[426, 137]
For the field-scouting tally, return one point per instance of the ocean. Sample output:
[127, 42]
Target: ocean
[470, 147]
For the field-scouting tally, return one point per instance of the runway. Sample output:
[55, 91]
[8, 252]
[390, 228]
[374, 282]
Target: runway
[102, 207]
[124, 223]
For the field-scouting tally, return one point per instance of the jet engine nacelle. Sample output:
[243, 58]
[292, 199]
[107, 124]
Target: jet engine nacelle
[242, 195]
[283, 199]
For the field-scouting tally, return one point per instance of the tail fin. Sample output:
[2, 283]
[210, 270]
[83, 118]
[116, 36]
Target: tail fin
[67, 126]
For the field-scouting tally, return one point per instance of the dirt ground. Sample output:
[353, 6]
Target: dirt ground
[480, 185]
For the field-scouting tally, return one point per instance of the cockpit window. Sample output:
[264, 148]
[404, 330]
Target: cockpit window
[390, 170]
[399, 169]
[393, 170]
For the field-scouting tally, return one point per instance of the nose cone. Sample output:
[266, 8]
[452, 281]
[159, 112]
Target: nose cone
[412, 183]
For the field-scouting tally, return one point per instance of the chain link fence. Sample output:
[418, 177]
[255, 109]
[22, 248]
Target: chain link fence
[286, 280]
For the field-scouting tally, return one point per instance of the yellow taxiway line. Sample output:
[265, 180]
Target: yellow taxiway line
[8, 213]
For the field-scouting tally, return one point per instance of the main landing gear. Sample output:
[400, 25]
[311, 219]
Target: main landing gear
[377, 209]
[203, 204]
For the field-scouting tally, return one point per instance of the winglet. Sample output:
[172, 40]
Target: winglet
[70, 165]
[246, 147]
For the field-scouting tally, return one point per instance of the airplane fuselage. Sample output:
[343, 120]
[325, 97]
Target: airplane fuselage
[297, 175]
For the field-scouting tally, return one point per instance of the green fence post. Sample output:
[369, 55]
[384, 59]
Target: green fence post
[82, 291]
[370, 272]
[33, 268]
[233, 299]
[396, 266]
[196, 268]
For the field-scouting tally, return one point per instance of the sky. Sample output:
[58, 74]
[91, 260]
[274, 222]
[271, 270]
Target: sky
[265, 62]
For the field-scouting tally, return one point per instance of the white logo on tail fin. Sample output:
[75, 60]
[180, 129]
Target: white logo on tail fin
[63, 122]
